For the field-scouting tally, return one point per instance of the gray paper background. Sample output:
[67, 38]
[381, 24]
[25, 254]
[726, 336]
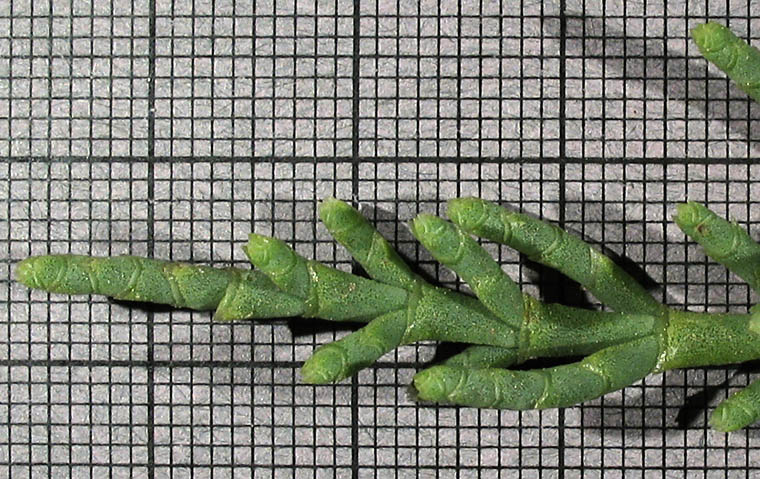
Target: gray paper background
[172, 129]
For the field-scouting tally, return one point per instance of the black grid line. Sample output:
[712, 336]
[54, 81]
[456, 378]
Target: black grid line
[171, 129]
[562, 154]
[151, 137]
[355, 148]
[516, 160]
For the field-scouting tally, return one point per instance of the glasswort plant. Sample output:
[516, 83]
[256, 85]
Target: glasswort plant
[732, 55]
[502, 326]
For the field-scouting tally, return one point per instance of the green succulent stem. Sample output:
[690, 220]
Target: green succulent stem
[234, 293]
[732, 55]
[502, 326]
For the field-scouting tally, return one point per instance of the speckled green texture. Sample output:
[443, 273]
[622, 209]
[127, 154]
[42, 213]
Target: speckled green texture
[561, 386]
[565, 331]
[455, 249]
[482, 387]
[328, 293]
[240, 294]
[345, 357]
[724, 241]
[366, 245]
[560, 331]
[128, 278]
[549, 245]
[695, 339]
[502, 326]
[412, 311]
[739, 410]
[253, 295]
[484, 357]
[428, 314]
[732, 55]
[441, 314]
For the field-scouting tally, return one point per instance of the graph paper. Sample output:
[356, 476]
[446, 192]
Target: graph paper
[173, 129]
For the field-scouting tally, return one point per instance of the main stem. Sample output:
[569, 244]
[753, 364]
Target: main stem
[709, 339]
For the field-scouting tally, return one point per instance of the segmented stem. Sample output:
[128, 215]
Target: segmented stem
[242, 293]
[732, 55]
[551, 246]
[724, 241]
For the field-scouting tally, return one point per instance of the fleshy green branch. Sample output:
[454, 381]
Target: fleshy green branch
[553, 247]
[234, 293]
[725, 242]
[732, 55]
[455, 249]
[604, 371]
[502, 326]
[739, 410]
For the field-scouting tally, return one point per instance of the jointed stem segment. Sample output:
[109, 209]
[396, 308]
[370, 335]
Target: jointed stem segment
[723, 241]
[551, 246]
[503, 326]
[732, 55]
[234, 293]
